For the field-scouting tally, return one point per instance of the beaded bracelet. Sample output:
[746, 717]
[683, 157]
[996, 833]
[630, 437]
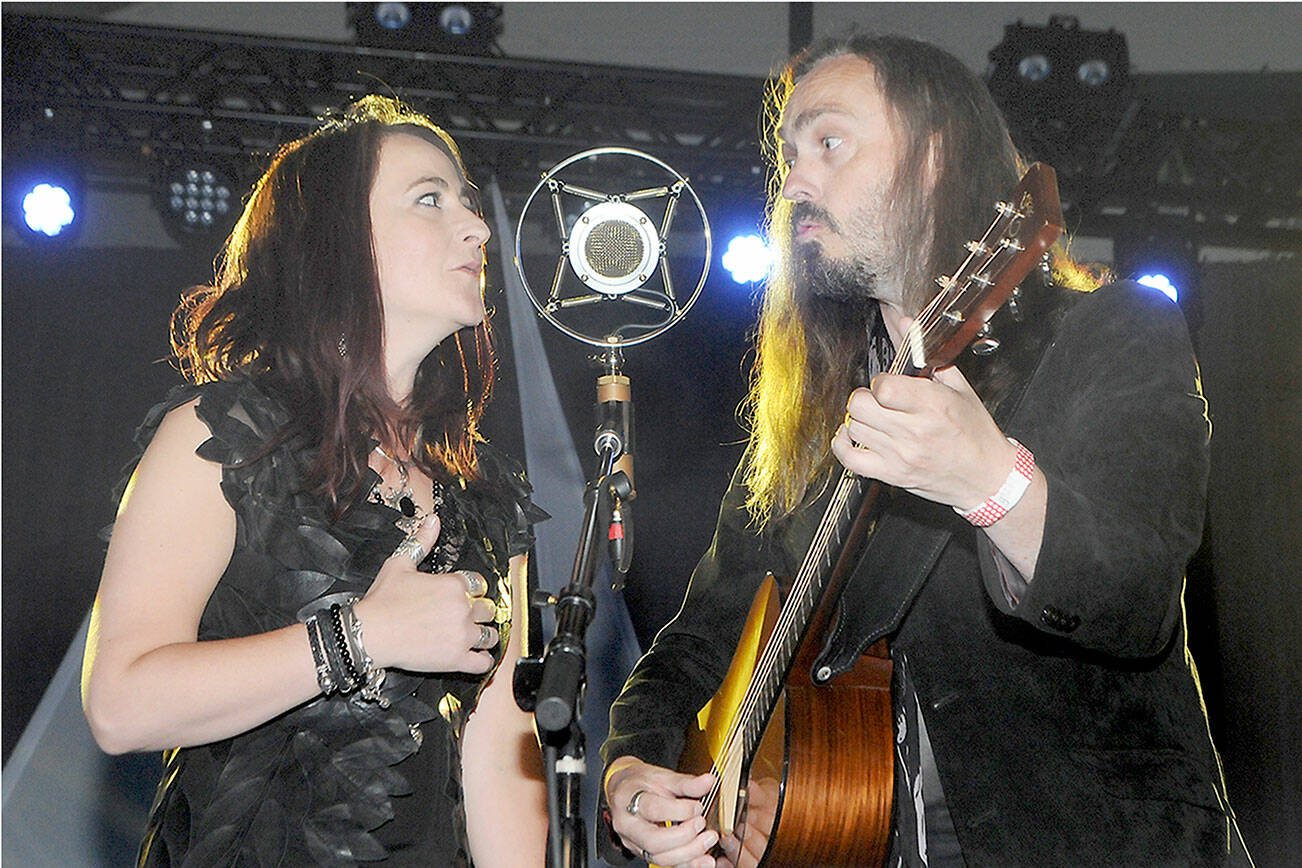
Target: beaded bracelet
[1015, 485]
[341, 642]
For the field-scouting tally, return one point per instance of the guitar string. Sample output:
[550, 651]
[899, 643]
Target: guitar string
[922, 327]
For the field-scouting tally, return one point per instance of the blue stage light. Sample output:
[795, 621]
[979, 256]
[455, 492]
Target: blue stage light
[44, 197]
[47, 209]
[748, 259]
[1162, 284]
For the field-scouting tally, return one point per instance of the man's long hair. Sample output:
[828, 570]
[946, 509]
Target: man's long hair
[811, 353]
[296, 306]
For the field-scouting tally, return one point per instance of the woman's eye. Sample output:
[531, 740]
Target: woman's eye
[433, 199]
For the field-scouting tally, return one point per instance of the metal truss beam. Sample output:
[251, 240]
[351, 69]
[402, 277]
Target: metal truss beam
[124, 99]
[126, 96]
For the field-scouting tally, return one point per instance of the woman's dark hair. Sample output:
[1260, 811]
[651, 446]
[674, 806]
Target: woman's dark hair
[296, 305]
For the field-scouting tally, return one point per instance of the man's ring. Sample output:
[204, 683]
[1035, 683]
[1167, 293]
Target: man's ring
[476, 585]
[632, 807]
[412, 548]
[646, 855]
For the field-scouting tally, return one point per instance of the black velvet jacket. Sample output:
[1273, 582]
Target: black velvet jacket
[1067, 725]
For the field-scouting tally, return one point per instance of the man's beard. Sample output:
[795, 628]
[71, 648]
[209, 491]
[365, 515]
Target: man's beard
[856, 277]
[817, 276]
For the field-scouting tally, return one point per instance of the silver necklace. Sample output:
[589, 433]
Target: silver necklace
[399, 497]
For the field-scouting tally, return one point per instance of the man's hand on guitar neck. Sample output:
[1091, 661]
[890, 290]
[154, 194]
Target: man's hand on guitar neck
[657, 813]
[934, 437]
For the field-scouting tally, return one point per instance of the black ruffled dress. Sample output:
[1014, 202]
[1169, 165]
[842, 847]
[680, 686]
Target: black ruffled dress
[338, 780]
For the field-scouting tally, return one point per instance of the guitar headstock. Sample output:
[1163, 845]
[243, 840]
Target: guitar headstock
[1025, 227]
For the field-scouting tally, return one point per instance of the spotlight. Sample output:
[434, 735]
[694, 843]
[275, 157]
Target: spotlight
[44, 198]
[1064, 90]
[392, 16]
[1165, 262]
[748, 259]
[1162, 284]
[197, 201]
[444, 28]
[48, 209]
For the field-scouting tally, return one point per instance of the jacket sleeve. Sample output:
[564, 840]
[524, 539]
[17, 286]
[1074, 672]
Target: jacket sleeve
[690, 656]
[1117, 421]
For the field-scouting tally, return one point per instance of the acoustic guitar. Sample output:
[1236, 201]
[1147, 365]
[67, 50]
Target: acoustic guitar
[804, 763]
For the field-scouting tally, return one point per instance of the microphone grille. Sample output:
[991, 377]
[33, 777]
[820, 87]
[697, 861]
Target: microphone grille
[614, 249]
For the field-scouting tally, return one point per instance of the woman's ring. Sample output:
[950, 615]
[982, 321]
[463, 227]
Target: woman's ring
[476, 585]
[486, 639]
[632, 807]
[646, 855]
[412, 548]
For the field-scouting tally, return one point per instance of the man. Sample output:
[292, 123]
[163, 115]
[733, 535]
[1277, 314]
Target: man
[1046, 710]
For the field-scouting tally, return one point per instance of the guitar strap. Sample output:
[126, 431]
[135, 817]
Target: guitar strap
[899, 556]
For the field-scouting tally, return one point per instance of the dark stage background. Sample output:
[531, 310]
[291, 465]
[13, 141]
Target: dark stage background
[84, 333]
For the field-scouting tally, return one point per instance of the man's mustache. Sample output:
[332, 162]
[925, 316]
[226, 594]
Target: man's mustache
[802, 212]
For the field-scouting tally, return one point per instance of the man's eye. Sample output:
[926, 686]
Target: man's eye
[830, 142]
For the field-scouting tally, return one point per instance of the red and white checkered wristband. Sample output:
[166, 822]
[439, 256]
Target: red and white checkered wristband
[1008, 494]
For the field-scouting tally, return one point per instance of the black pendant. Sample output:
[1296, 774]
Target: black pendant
[406, 506]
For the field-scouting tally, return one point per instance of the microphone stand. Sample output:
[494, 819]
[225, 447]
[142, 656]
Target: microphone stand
[553, 687]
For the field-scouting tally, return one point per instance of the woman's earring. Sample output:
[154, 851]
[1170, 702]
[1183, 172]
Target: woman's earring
[343, 347]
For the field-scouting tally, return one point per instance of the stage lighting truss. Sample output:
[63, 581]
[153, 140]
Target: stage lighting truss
[1215, 152]
[613, 282]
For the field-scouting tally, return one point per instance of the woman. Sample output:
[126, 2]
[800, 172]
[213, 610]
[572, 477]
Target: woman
[309, 591]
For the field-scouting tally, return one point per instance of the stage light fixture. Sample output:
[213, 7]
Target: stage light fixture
[197, 201]
[443, 28]
[748, 259]
[1161, 283]
[392, 16]
[44, 197]
[1063, 89]
[47, 208]
[1163, 260]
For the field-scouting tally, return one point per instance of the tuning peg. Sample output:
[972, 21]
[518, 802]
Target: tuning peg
[1014, 305]
[984, 344]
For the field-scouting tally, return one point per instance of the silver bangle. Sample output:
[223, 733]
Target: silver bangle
[372, 675]
[324, 678]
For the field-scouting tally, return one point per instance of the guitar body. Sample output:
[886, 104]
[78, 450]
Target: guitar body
[818, 790]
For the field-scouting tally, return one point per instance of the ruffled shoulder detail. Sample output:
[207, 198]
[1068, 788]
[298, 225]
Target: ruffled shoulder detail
[241, 417]
[506, 486]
